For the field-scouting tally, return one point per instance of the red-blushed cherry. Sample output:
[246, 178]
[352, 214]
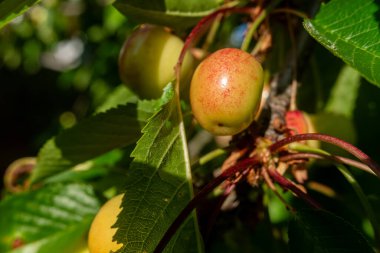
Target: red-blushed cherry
[225, 91]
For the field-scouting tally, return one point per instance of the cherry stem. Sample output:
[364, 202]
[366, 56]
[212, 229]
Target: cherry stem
[287, 184]
[212, 220]
[230, 172]
[333, 158]
[212, 32]
[294, 12]
[271, 186]
[198, 30]
[212, 155]
[256, 24]
[332, 140]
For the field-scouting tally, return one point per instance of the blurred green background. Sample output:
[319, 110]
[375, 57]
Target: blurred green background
[57, 63]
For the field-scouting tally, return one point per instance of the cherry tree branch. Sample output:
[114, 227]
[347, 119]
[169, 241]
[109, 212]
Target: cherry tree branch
[287, 184]
[279, 100]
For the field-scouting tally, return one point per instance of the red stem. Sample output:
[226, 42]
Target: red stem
[198, 28]
[287, 184]
[333, 158]
[212, 220]
[231, 171]
[332, 140]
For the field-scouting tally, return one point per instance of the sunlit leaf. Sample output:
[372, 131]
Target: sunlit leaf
[121, 95]
[350, 30]
[172, 13]
[158, 188]
[9, 9]
[342, 99]
[52, 219]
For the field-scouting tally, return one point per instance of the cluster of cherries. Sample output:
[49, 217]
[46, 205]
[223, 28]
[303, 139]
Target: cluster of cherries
[225, 94]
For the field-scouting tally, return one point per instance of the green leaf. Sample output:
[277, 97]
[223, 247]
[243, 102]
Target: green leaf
[364, 200]
[277, 211]
[121, 95]
[320, 231]
[92, 137]
[9, 9]
[51, 219]
[158, 188]
[78, 175]
[172, 13]
[350, 30]
[91, 170]
[342, 99]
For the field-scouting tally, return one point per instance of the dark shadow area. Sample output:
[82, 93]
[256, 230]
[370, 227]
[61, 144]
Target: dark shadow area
[99, 134]
[367, 119]
[377, 13]
[320, 74]
[30, 106]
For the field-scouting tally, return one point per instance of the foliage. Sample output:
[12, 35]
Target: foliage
[185, 190]
[323, 232]
[46, 218]
[355, 42]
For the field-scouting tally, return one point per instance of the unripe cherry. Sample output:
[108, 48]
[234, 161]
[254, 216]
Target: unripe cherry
[101, 231]
[147, 60]
[225, 91]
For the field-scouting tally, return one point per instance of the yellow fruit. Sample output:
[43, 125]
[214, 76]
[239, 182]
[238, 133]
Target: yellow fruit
[101, 233]
[147, 60]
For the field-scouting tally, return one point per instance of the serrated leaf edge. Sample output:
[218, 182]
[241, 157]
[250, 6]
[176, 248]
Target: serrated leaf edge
[331, 46]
